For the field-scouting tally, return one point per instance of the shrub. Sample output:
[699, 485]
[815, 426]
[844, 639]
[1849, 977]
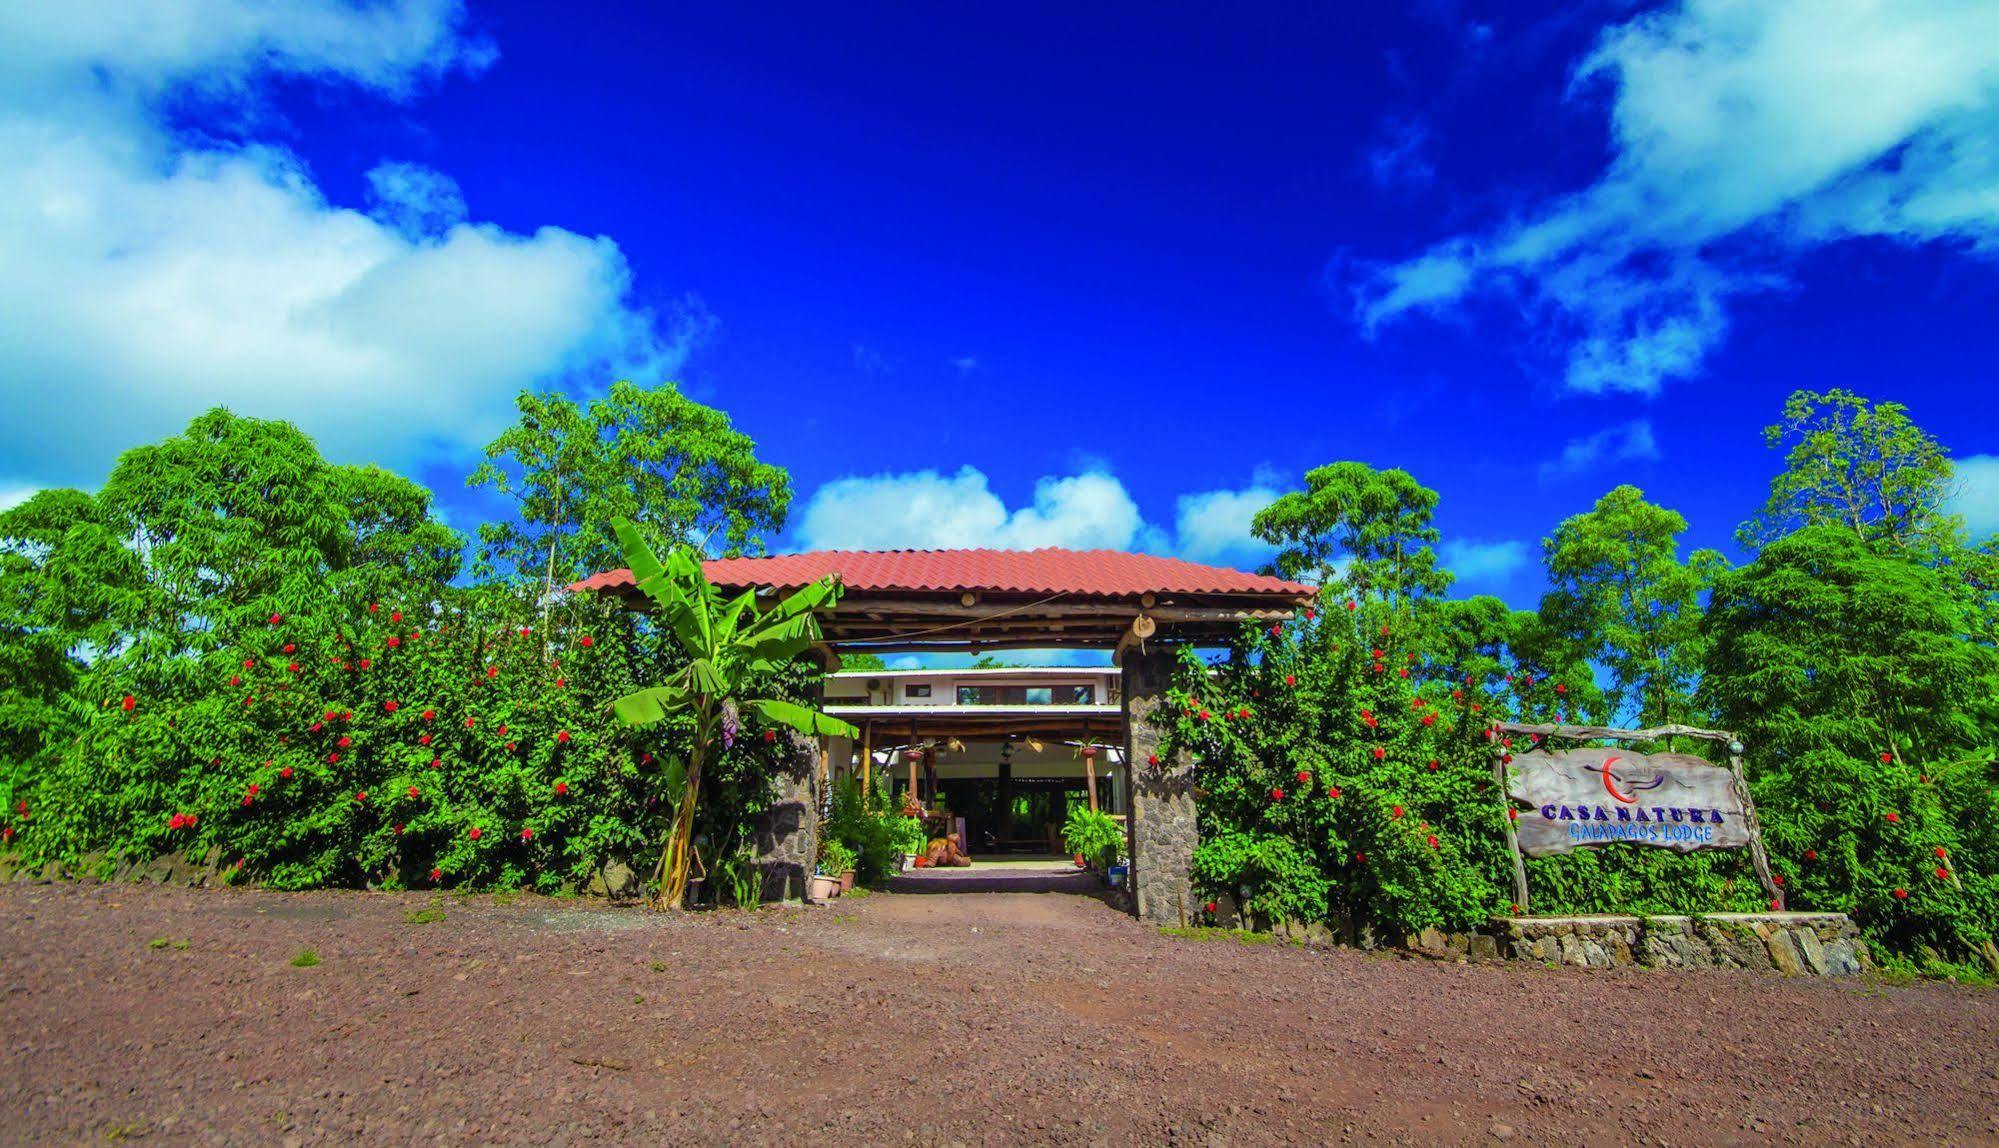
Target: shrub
[1093, 835]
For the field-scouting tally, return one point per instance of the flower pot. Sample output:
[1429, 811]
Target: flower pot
[846, 881]
[1080, 863]
[922, 862]
[825, 888]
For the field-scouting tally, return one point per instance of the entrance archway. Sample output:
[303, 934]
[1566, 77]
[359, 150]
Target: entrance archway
[904, 602]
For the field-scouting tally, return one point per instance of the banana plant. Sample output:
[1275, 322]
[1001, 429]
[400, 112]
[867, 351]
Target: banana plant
[729, 644]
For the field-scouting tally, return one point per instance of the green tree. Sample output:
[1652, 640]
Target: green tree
[1620, 597]
[1860, 465]
[649, 455]
[731, 648]
[65, 576]
[1870, 721]
[1364, 530]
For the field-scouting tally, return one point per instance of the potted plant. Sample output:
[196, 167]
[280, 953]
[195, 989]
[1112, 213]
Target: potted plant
[1093, 836]
[837, 860]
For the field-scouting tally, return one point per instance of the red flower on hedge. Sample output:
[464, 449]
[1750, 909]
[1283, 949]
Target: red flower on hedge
[1395, 812]
[396, 616]
[393, 642]
[253, 790]
[415, 793]
[390, 706]
[344, 741]
[1205, 716]
[492, 671]
[285, 773]
[235, 681]
[1429, 719]
[1367, 718]
[436, 875]
[527, 835]
[1304, 778]
[1777, 879]
[586, 641]
[437, 763]
[1811, 854]
[249, 663]
[1433, 841]
[1290, 679]
[562, 738]
[1210, 906]
[1152, 759]
[470, 722]
[1379, 753]
[1943, 874]
[1513, 815]
[1901, 894]
[429, 715]
[292, 668]
[561, 682]
[1887, 758]
[562, 789]
[129, 703]
[1276, 794]
[362, 797]
[277, 618]
[333, 759]
[1361, 858]
[503, 731]
[176, 821]
[473, 833]
[1894, 817]
[290, 648]
[1433, 765]
[1332, 791]
[423, 739]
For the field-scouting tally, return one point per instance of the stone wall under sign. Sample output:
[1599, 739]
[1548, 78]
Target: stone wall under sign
[1794, 944]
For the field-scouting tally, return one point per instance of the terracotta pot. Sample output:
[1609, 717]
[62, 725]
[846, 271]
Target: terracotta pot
[922, 862]
[846, 881]
[1080, 863]
[825, 888]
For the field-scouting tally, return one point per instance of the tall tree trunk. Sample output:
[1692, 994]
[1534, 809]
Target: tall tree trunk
[677, 861]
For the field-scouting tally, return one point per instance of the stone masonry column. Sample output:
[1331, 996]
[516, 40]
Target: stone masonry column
[787, 833]
[1163, 831]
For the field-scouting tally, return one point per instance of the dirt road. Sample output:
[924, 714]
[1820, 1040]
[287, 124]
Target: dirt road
[179, 1016]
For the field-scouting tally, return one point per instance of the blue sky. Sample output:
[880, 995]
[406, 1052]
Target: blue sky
[1038, 277]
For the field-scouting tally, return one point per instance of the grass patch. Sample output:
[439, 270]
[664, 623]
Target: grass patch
[158, 943]
[305, 959]
[659, 966]
[424, 916]
[857, 891]
[1207, 933]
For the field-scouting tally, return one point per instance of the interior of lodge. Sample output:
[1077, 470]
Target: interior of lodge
[996, 757]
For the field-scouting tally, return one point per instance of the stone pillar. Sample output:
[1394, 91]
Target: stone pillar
[787, 833]
[1163, 831]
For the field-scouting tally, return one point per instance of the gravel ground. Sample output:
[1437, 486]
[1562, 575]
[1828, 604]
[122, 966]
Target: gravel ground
[178, 1016]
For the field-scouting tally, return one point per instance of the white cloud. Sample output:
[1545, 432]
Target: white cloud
[1487, 562]
[13, 496]
[1626, 442]
[929, 510]
[1740, 129]
[966, 364]
[154, 273]
[1214, 526]
[1977, 494]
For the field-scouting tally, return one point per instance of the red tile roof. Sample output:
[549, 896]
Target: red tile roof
[1076, 573]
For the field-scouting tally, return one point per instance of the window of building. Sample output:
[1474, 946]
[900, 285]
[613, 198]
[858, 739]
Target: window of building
[922, 691]
[1025, 695]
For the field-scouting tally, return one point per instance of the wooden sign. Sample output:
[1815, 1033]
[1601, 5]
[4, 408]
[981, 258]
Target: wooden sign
[1587, 797]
